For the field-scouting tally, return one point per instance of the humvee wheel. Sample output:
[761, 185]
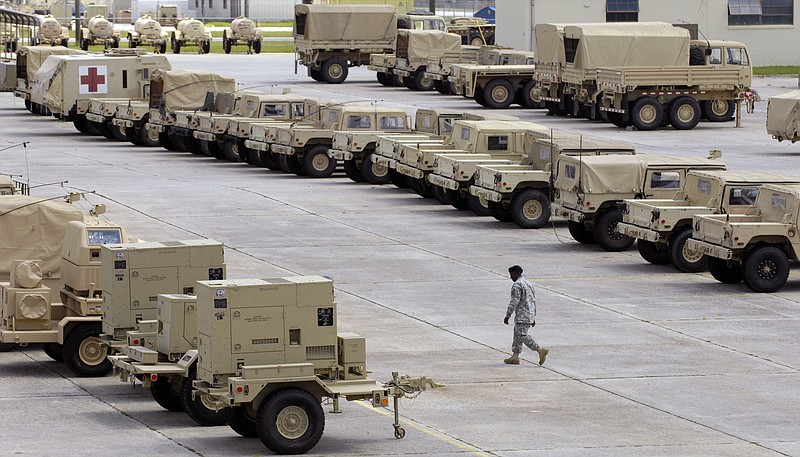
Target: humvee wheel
[374, 173]
[166, 141]
[211, 149]
[93, 128]
[230, 148]
[765, 269]
[5, 347]
[167, 394]
[147, 138]
[457, 199]
[84, 352]
[719, 110]
[421, 187]
[290, 421]
[242, 420]
[269, 160]
[530, 208]
[334, 70]
[106, 130]
[195, 407]
[684, 113]
[606, 234]
[398, 179]
[317, 164]
[479, 206]
[498, 94]
[290, 164]
[442, 87]
[54, 350]
[422, 81]
[580, 233]
[681, 257]
[723, 273]
[119, 133]
[499, 211]
[130, 134]
[440, 194]
[647, 113]
[79, 121]
[385, 79]
[655, 253]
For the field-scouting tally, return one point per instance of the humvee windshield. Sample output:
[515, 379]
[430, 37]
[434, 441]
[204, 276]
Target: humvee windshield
[359, 122]
[497, 143]
[273, 110]
[298, 110]
[665, 180]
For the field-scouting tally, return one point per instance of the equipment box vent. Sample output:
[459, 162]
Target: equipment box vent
[320, 352]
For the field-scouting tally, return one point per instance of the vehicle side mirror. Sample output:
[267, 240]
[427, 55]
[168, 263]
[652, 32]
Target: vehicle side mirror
[708, 51]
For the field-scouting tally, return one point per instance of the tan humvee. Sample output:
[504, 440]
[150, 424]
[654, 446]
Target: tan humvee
[783, 116]
[755, 247]
[29, 59]
[661, 227]
[415, 48]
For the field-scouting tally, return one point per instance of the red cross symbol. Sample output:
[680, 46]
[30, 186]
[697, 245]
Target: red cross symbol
[93, 79]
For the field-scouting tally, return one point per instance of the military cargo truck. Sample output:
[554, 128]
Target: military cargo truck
[522, 192]
[647, 97]
[440, 68]
[662, 227]
[783, 116]
[514, 65]
[328, 44]
[147, 32]
[415, 48]
[29, 59]
[588, 191]
[755, 247]
[242, 32]
[190, 32]
[270, 353]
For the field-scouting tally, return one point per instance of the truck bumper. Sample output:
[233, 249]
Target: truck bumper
[95, 118]
[384, 161]
[256, 145]
[128, 369]
[125, 123]
[634, 231]
[485, 194]
[150, 127]
[712, 250]
[339, 154]
[441, 181]
[568, 214]
[204, 136]
[281, 149]
[411, 172]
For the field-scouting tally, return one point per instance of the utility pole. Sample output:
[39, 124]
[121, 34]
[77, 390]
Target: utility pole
[432, 6]
[78, 22]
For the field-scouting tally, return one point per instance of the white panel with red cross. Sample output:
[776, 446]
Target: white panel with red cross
[93, 79]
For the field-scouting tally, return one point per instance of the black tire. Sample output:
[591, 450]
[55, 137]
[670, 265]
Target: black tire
[119, 133]
[92, 128]
[270, 160]
[84, 353]
[131, 42]
[29, 106]
[682, 258]
[420, 186]
[65, 42]
[167, 394]
[290, 164]
[457, 199]
[242, 421]
[719, 110]
[163, 48]
[334, 70]
[374, 173]
[605, 232]
[618, 119]
[655, 253]
[498, 94]
[398, 179]
[408, 82]
[442, 87]
[179, 141]
[290, 421]
[257, 46]
[105, 130]
[317, 164]
[352, 171]
[231, 148]
[440, 194]
[385, 79]
[475, 39]
[422, 81]
[765, 269]
[316, 75]
[54, 350]
[480, 97]
[146, 137]
[696, 56]
[84, 45]
[206, 47]
[499, 211]
[195, 408]
[176, 47]
[132, 135]
[724, 273]
[167, 142]
[526, 95]
[647, 113]
[79, 121]
[226, 45]
[580, 233]
[530, 209]
[684, 113]
[211, 149]
[5, 347]
[478, 206]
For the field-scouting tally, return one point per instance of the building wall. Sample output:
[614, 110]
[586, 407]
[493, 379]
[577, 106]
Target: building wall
[768, 45]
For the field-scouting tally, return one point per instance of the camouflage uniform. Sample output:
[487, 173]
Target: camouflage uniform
[523, 305]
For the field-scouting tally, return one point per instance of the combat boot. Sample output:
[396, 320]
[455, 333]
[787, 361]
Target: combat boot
[513, 360]
[542, 354]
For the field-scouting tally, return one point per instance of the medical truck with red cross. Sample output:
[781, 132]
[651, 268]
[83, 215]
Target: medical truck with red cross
[60, 84]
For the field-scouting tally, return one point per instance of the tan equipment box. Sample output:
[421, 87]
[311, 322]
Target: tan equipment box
[265, 322]
[135, 273]
[26, 301]
[177, 324]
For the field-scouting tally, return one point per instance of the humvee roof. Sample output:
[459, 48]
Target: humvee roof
[744, 176]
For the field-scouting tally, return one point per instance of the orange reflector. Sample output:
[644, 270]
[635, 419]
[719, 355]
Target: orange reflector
[153, 377]
[385, 402]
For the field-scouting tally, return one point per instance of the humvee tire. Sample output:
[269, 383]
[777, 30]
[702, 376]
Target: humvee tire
[54, 350]
[119, 133]
[719, 110]
[317, 164]
[606, 234]
[231, 148]
[176, 47]
[723, 273]
[398, 179]
[385, 79]
[166, 141]
[167, 394]
[84, 352]
[457, 199]
[79, 121]
[420, 186]
[290, 164]
[440, 194]
[146, 137]
[684, 113]
[269, 160]
[765, 269]
[206, 47]
[290, 421]
[105, 130]
[478, 206]
[647, 113]
[653, 252]
[163, 48]
[530, 208]
[580, 233]
[242, 420]
[374, 173]
[499, 211]
[680, 257]
[195, 408]
[226, 45]
[352, 171]
[442, 87]
[5, 347]
[334, 70]
[422, 81]
[211, 149]
[498, 94]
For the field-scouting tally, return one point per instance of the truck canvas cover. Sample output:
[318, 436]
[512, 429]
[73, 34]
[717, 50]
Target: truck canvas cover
[33, 229]
[182, 89]
[783, 115]
[549, 46]
[345, 23]
[427, 44]
[614, 174]
[632, 45]
[34, 56]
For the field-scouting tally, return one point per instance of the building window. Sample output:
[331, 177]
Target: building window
[197, 3]
[210, 4]
[622, 10]
[224, 4]
[760, 12]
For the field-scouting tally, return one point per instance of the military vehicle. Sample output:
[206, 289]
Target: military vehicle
[414, 49]
[99, 113]
[112, 75]
[242, 32]
[304, 149]
[328, 44]
[10, 186]
[498, 86]
[269, 352]
[98, 30]
[662, 227]
[472, 30]
[167, 15]
[486, 67]
[420, 20]
[522, 192]
[190, 32]
[783, 116]
[441, 69]
[587, 191]
[51, 32]
[755, 247]
[147, 32]
[29, 59]
[647, 97]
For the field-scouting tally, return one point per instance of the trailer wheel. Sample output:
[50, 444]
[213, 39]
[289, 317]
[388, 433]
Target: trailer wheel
[647, 113]
[475, 39]
[499, 94]
[206, 47]
[65, 42]
[499, 211]
[317, 164]
[527, 94]
[242, 420]
[54, 350]
[334, 70]
[765, 269]
[681, 257]
[290, 421]
[606, 234]
[226, 45]
[398, 179]
[530, 208]
[84, 352]
[195, 408]
[422, 81]
[167, 394]
[257, 46]
[161, 49]
[655, 253]
[684, 113]
[478, 205]
[719, 110]
[580, 233]
[374, 173]
[385, 79]
[722, 272]
[84, 45]
[176, 47]
[352, 171]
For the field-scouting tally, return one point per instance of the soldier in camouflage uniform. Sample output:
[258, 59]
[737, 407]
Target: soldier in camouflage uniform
[523, 305]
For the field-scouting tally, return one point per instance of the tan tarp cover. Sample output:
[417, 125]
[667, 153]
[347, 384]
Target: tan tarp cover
[549, 46]
[187, 89]
[629, 45]
[36, 55]
[44, 84]
[347, 23]
[428, 44]
[35, 231]
[611, 174]
[783, 115]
